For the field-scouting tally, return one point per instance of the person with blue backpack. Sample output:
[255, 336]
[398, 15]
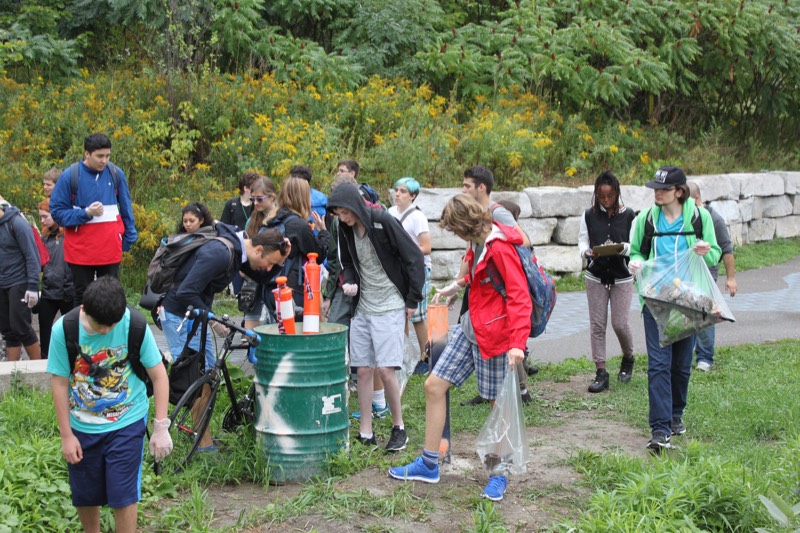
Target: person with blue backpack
[491, 336]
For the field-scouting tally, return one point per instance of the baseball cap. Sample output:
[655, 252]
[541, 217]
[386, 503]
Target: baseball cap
[667, 177]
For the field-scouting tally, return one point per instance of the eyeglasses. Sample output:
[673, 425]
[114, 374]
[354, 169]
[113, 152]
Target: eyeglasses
[259, 199]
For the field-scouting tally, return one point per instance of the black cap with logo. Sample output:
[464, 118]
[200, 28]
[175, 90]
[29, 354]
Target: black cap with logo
[667, 177]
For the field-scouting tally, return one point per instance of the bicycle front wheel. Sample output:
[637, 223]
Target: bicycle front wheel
[242, 413]
[189, 423]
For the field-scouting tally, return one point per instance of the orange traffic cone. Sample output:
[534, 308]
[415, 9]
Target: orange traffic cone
[284, 307]
[311, 296]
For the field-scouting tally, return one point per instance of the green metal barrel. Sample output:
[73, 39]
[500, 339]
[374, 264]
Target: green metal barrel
[301, 400]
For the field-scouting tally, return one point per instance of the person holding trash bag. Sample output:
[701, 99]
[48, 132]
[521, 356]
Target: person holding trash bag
[667, 229]
[491, 336]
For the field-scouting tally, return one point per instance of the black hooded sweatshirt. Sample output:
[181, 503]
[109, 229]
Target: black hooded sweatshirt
[400, 257]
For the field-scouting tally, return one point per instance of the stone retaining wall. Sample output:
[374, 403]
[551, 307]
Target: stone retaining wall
[756, 207]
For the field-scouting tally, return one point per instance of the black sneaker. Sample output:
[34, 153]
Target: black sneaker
[477, 400]
[530, 370]
[678, 427]
[600, 381]
[526, 396]
[625, 370]
[398, 440]
[659, 443]
[367, 441]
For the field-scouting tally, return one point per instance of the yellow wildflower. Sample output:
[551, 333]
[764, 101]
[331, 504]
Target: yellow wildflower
[424, 92]
[514, 159]
[613, 149]
[377, 139]
[584, 154]
[623, 129]
[644, 158]
[571, 171]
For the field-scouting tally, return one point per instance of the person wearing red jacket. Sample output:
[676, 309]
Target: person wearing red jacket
[97, 214]
[491, 336]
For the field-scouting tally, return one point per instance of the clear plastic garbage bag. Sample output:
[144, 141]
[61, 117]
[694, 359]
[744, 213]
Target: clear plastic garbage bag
[502, 444]
[681, 295]
[410, 359]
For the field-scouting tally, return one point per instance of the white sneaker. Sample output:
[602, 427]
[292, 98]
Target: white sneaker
[704, 366]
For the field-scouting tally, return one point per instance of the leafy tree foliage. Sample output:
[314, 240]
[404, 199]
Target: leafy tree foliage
[30, 43]
[689, 64]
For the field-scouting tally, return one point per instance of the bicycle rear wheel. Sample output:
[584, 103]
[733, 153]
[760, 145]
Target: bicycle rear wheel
[189, 422]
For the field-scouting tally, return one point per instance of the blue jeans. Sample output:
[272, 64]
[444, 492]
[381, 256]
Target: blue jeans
[177, 339]
[668, 371]
[704, 347]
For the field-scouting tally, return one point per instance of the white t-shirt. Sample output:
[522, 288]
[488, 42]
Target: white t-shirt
[415, 224]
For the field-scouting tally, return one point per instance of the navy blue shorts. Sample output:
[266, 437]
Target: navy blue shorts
[110, 472]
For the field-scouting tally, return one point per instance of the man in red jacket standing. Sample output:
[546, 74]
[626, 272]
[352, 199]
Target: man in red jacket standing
[91, 200]
[491, 336]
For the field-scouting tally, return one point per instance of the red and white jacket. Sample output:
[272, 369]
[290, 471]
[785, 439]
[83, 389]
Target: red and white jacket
[499, 324]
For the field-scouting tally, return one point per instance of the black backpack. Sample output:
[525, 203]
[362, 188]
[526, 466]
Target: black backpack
[136, 332]
[650, 231]
[280, 225]
[75, 172]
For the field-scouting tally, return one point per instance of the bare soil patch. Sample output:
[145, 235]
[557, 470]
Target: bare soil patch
[549, 491]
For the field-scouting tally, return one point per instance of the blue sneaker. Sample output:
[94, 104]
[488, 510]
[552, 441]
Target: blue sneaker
[416, 471]
[212, 448]
[496, 488]
[377, 412]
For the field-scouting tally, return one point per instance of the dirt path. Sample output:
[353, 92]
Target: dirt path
[547, 492]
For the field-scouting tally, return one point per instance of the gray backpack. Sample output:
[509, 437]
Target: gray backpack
[174, 251]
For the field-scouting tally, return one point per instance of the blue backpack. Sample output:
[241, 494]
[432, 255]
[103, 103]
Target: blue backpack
[541, 287]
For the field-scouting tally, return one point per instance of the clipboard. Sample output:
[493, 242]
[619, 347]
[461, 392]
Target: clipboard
[605, 250]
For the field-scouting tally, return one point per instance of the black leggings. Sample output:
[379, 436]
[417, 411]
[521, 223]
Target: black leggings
[15, 317]
[48, 309]
[83, 275]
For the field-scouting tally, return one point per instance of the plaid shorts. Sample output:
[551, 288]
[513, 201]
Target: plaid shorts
[422, 309]
[461, 358]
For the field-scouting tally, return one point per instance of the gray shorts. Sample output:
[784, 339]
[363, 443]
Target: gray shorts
[376, 341]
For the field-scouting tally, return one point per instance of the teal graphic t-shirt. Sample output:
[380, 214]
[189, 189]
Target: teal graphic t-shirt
[104, 395]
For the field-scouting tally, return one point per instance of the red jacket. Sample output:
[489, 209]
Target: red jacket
[499, 324]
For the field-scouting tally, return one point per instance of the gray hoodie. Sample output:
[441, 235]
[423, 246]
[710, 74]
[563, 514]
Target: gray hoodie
[19, 257]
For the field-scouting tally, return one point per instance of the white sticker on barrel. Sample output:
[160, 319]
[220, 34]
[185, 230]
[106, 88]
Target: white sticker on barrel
[328, 404]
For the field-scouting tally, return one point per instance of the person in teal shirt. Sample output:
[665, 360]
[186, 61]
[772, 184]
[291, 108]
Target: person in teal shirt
[669, 367]
[102, 407]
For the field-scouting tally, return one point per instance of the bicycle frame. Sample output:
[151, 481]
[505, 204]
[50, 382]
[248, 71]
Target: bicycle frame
[207, 386]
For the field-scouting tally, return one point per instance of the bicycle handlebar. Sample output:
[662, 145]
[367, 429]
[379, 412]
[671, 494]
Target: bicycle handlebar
[253, 338]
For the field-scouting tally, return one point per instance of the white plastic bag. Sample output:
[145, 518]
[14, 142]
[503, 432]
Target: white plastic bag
[410, 359]
[681, 295]
[502, 443]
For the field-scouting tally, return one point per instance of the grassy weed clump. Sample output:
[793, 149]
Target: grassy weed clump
[744, 439]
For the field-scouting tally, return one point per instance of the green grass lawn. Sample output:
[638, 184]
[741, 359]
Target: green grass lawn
[743, 441]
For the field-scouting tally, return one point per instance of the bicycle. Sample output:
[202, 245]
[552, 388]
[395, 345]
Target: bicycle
[191, 418]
